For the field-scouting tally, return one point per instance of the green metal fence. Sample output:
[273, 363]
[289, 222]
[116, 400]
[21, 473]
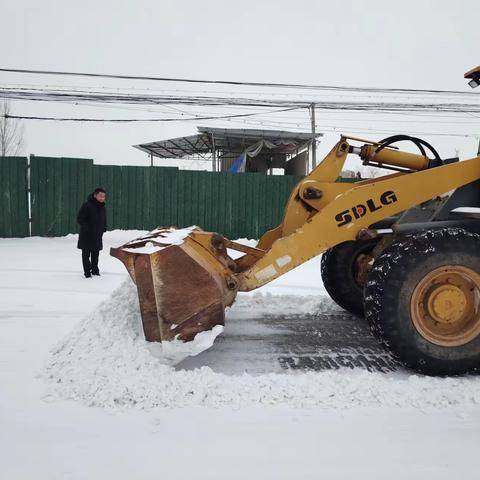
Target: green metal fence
[236, 205]
[58, 187]
[13, 197]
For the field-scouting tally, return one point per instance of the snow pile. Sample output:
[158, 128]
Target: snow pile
[106, 362]
[172, 353]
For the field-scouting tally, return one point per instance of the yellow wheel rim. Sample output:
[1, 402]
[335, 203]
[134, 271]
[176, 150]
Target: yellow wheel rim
[445, 306]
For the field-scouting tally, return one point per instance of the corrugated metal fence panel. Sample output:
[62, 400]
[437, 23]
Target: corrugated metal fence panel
[13, 197]
[235, 205]
[139, 197]
[58, 188]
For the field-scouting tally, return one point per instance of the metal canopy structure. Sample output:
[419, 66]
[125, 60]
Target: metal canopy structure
[222, 145]
[180, 147]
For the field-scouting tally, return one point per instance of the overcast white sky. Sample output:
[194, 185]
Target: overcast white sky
[370, 43]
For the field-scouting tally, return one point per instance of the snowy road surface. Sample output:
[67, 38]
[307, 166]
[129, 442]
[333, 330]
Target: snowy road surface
[274, 398]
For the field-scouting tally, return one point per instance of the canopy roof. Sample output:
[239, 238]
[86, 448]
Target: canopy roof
[225, 140]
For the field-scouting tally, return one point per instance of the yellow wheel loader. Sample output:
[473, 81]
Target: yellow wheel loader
[402, 249]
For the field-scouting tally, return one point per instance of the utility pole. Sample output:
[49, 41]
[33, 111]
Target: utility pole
[314, 142]
[214, 155]
[151, 159]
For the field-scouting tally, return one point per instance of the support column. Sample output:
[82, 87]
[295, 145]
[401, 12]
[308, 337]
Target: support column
[314, 142]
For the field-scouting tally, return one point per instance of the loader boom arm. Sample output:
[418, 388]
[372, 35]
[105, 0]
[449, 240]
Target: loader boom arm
[321, 213]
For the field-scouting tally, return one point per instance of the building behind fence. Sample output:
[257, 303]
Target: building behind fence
[236, 205]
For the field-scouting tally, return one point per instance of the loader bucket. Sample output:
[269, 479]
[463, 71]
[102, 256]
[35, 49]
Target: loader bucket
[183, 284]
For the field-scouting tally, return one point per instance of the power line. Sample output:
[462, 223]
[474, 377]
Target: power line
[59, 96]
[238, 83]
[432, 115]
[356, 129]
[127, 120]
[223, 92]
[295, 119]
[99, 97]
[322, 128]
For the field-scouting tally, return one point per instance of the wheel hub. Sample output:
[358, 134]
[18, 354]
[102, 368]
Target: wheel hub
[445, 306]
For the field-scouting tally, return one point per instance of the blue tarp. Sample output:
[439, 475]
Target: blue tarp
[239, 164]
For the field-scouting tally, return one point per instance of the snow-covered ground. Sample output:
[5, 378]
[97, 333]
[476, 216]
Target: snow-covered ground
[82, 397]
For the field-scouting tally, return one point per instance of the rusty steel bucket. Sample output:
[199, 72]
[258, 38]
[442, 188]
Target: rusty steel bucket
[184, 280]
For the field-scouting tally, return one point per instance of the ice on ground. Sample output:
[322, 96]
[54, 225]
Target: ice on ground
[105, 361]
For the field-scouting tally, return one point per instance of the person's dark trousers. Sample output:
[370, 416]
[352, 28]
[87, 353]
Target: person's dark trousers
[90, 262]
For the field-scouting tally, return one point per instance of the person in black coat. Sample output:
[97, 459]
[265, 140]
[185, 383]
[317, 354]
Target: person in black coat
[93, 223]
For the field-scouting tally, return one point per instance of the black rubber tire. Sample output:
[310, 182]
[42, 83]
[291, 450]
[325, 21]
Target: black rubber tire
[388, 291]
[337, 269]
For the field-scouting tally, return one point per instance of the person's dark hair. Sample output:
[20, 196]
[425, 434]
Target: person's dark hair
[99, 190]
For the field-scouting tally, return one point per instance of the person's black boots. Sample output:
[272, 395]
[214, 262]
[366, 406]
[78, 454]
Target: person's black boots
[94, 268]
